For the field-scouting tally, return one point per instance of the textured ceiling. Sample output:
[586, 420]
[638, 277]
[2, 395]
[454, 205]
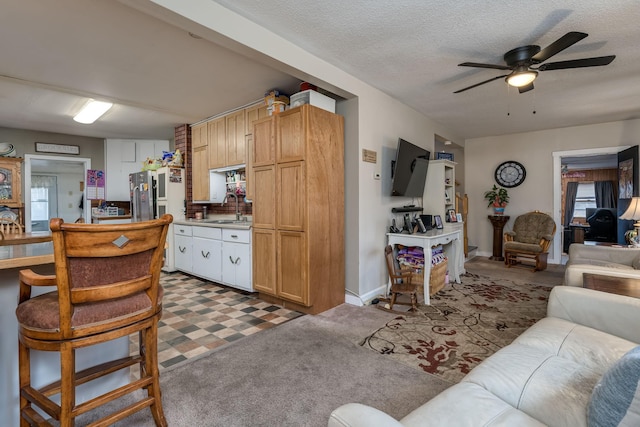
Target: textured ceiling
[55, 55]
[410, 50]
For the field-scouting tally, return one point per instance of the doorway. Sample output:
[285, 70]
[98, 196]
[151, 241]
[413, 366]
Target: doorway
[586, 155]
[68, 200]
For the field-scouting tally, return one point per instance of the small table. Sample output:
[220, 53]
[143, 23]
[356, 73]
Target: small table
[498, 222]
[451, 241]
[613, 285]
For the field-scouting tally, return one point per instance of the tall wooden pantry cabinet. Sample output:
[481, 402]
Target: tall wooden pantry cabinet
[298, 209]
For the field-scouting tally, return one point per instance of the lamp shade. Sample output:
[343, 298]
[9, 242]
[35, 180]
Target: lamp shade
[633, 211]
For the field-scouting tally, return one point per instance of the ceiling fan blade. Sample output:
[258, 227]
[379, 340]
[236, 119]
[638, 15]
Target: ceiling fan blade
[479, 65]
[558, 46]
[526, 88]
[481, 83]
[577, 63]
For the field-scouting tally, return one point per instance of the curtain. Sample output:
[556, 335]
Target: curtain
[570, 201]
[605, 194]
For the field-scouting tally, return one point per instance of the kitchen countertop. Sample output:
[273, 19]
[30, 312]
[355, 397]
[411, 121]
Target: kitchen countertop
[210, 222]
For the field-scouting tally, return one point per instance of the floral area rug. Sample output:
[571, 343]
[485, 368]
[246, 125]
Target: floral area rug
[465, 324]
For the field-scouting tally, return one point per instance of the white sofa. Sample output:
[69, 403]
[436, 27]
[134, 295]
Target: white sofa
[604, 260]
[545, 377]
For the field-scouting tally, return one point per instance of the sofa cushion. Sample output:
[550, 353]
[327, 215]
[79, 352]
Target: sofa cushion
[589, 347]
[636, 263]
[615, 400]
[468, 404]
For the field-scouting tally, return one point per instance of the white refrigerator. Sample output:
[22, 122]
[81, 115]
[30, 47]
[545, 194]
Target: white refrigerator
[170, 199]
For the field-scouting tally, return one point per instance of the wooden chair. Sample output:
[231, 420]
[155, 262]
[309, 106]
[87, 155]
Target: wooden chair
[401, 281]
[9, 226]
[529, 240]
[107, 279]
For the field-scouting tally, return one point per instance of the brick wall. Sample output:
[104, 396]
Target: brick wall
[183, 143]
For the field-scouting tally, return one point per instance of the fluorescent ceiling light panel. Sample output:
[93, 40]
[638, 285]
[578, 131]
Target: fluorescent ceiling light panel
[92, 111]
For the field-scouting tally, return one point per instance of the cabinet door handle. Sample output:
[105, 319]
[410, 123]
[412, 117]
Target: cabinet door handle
[205, 255]
[234, 262]
[181, 249]
[234, 236]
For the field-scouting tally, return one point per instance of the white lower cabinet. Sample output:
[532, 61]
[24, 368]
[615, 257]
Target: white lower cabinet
[207, 253]
[183, 248]
[236, 259]
[222, 255]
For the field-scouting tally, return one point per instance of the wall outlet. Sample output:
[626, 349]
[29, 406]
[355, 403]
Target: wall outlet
[376, 175]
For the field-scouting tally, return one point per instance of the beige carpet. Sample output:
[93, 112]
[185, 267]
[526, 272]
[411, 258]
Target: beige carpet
[293, 375]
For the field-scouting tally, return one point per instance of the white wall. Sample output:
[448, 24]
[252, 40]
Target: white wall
[535, 151]
[69, 196]
[373, 121]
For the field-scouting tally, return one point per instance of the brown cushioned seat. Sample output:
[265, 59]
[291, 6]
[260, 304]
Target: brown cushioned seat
[108, 287]
[529, 240]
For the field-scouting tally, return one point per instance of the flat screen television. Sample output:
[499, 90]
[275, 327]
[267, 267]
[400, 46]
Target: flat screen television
[409, 171]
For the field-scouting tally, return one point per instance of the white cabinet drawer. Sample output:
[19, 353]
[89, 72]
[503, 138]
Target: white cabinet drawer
[182, 230]
[235, 235]
[207, 232]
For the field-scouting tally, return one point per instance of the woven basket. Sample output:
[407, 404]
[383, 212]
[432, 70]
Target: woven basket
[437, 278]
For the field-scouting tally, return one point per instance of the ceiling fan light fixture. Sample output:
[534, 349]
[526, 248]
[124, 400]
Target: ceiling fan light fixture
[92, 111]
[521, 77]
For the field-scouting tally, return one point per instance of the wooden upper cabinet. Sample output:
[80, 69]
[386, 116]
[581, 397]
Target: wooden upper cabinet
[200, 173]
[200, 162]
[291, 135]
[291, 190]
[253, 113]
[264, 197]
[264, 151]
[236, 131]
[217, 143]
[199, 136]
[248, 170]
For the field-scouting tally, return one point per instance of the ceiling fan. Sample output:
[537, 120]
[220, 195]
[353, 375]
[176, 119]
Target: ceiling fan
[524, 62]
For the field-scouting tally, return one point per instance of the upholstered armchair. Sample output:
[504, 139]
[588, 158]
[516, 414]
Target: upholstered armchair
[529, 240]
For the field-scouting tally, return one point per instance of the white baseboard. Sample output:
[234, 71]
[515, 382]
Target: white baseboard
[365, 299]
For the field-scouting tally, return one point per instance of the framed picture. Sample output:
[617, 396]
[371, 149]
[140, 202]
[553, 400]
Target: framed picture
[451, 214]
[438, 221]
[444, 156]
[459, 217]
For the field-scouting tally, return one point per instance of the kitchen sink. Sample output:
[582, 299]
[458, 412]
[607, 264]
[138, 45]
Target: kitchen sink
[225, 221]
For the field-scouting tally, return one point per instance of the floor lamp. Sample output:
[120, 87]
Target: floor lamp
[633, 213]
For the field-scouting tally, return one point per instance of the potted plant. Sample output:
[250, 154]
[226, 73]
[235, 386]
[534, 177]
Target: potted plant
[498, 197]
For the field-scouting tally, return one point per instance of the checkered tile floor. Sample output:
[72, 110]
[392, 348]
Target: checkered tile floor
[199, 316]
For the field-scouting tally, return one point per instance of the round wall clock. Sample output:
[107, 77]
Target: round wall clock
[510, 174]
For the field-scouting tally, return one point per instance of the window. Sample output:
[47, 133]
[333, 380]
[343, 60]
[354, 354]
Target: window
[39, 204]
[44, 201]
[585, 198]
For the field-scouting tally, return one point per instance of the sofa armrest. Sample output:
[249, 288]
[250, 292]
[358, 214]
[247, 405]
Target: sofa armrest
[357, 414]
[615, 314]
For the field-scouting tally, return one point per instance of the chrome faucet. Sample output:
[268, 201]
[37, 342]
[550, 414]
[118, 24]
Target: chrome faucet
[238, 215]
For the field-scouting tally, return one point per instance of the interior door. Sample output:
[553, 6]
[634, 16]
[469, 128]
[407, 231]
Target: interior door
[627, 187]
